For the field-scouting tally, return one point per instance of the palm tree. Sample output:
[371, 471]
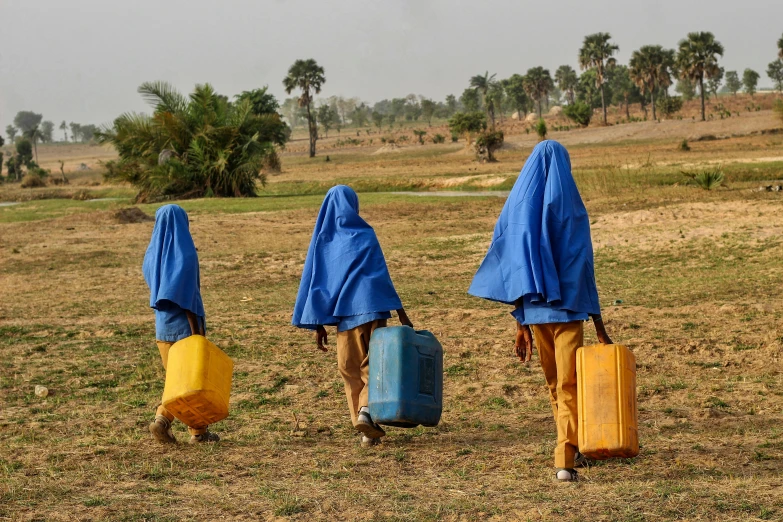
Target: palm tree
[596, 53]
[307, 76]
[697, 58]
[192, 146]
[780, 48]
[538, 83]
[64, 128]
[651, 69]
[567, 80]
[483, 84]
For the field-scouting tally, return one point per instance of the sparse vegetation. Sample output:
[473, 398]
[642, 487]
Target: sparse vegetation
[541, 129]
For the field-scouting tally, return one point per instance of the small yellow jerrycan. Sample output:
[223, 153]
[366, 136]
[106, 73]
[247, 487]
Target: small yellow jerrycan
[198, 382]
[606, 394]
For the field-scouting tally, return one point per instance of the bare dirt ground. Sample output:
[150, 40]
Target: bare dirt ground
[689, 279]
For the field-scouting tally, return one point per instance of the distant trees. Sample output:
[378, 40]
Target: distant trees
[714, 83]
[26, 121]
[697, 60]
[483, 84]
[64, 128]
[307, 76]
[192, 146]
[750, 80]
[780, 48]
[624, 90]
[377, 119]
[596, 53]
[686, 88]
[567, 80]
[651, 69]
[451, 105]
[327, 118]
[515, 92]
[83, 133]
[537, 84]
[428, 110]
[12, 132]
[470, 100]
[47, 131]
[467, 124]
[775, 73]
[733, 83]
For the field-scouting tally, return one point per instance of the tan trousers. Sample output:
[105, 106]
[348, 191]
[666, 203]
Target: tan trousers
[557, 344]
[163, 348]
[353, 361]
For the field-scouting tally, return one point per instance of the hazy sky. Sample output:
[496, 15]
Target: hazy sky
[82, 60]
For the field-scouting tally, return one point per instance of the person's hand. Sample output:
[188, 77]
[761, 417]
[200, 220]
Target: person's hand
[320, 338]
[524, 343]
[600, 330]
[404, 318]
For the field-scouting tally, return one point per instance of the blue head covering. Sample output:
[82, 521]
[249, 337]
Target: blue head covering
[541, 246]
[345, 273]
[171, 262]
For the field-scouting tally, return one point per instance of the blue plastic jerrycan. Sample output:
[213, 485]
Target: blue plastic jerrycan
[406, 377]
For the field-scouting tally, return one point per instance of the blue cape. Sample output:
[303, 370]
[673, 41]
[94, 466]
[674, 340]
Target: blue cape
[541, 246]
[345, 273]
[171, 262]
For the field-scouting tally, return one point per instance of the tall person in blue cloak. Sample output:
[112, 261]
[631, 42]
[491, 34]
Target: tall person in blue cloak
[172, 274]
[345, 283]
[541, 262]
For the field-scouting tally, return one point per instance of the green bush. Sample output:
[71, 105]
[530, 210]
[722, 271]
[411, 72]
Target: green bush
[541, 129]
[579, 112]
[439, 138]
[468, 124]
[487, 143]
[193, 146]
[684, 146]
[668, 105]
[708, 179]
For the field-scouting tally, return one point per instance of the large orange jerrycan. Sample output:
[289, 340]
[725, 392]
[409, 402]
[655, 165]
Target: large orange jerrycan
[606, 393]
[198, 382]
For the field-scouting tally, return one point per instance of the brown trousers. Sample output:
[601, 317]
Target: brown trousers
[163, 348]
[353, 361]
[557, 344]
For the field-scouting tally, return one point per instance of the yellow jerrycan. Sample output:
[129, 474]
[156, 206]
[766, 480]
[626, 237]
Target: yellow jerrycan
[606, 394]
[198, 382]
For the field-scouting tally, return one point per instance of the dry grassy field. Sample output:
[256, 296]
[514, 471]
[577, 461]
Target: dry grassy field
[691, 280]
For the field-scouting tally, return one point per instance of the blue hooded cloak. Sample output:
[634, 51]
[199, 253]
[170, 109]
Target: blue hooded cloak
[541, 248]
[345, 273]
[171, 263]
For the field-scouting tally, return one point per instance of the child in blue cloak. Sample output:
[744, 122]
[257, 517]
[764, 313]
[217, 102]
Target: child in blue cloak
[345, 283]
[172, 274]
[541, 262]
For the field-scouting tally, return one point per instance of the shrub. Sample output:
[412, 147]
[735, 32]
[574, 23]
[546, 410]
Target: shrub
[541, 129]
[217, 147]
[439, 138]
[454, 137]
[486, 145]
[579, 112]
[32, 180]
[668, 105]
[684, 146]
[420, 135]
[708, 179]
[468, 124]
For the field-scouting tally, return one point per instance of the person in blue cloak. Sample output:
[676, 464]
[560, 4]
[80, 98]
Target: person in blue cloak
[172, 274]
[345, 283]
[541, 262]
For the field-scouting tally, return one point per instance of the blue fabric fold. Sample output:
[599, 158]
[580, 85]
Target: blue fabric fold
[171, 263]
[541, 247]
[345, 273]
